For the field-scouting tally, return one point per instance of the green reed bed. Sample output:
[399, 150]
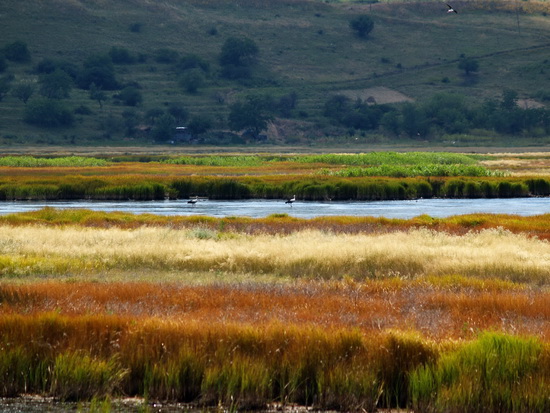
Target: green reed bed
[305, 188]
[401, 171]
[392, 158]
[369, 176]
[364, 159]
[225, 160]
[79, 358]
[38, 162]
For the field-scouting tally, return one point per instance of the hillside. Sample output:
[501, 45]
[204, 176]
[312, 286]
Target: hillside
[307, 53]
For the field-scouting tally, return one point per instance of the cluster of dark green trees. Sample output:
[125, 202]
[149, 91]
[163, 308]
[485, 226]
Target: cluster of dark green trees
[45, 100]
[444, 113]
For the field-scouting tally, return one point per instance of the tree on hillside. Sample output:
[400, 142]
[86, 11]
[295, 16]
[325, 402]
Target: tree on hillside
[468, 64]
[362, 25]
[23, 91]
[178, 111]
[448, 112]
[98, 69]
[199, 124]
[509, 99]
[56, 85]
[192, 61]
[254, 114]
[191, 80]
[97, 94]
[414, 121]
[237, 57]
[164, 128]
[130, 96]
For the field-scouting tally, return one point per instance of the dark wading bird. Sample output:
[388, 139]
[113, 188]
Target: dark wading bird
[451, 10]
[193, 201]
[291, 200]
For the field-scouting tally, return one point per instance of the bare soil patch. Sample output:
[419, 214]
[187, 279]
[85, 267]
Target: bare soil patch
[377, 95]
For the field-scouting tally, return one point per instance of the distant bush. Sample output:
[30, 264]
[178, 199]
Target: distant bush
[191, 80]
[164, 127]
[179, 112]
[136, 27]
[120, 55]
[166, 55]
[199, 124]
[192, 61]
[354, 114]
[47, 65]
[17, 52]
[130, 96]
[468, 64]
[23, 91]
[99, 70]
[362, 25]
[48, 113]
[55, 85]
[237, 57]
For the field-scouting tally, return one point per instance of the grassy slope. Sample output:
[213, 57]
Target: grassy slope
[306, 46]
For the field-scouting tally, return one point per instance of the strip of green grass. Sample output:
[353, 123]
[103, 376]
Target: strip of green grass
[34, 162]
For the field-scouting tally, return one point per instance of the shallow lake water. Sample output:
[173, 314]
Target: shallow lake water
[302, 209]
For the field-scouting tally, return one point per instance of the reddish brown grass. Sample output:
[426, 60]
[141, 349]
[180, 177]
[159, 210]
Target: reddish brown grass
[437, 312]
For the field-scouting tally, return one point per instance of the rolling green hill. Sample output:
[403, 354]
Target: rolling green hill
[306, 50]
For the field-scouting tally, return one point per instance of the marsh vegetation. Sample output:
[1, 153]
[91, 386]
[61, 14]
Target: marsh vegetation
[338, 313]
[344, 313]
[371, 176]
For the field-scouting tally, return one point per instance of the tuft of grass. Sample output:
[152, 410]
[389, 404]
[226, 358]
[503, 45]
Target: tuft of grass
[77, 376]
[495, 373]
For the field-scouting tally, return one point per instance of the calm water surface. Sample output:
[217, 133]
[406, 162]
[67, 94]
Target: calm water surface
[302, 209]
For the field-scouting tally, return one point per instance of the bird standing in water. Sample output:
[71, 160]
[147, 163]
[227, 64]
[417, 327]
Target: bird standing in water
[291, 200]
[451, 10]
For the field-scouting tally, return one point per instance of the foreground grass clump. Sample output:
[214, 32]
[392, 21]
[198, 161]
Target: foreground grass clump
[240, 366]
[496, 373]
[250, 367]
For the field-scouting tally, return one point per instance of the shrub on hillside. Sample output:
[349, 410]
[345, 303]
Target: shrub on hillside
[48, 113]
[362, 25]
[17, 52]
